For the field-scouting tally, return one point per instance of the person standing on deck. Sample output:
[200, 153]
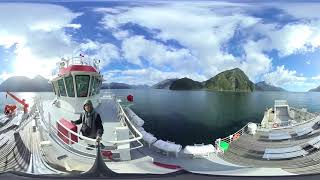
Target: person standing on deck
[91, 122]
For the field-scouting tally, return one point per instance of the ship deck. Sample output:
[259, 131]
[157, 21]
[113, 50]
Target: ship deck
[244, 156]
[248, 150]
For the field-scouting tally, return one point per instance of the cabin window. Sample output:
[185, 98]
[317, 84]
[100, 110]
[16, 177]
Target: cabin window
[54, 89]
[69, 86]
[62, 90]
[92, 85]
[95, 86]
[82, 84]
[98, 86]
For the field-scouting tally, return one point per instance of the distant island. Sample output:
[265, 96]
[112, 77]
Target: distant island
[317, 89]
[234, 80]
[165, 84]
[25, 84]
[115, 85]
[264, 86]
[41, 84]
[185, 84]
[231, 80]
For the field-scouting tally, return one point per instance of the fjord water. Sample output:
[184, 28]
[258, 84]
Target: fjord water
[188, 117]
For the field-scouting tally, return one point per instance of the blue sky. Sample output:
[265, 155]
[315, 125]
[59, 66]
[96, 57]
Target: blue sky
[144, 42]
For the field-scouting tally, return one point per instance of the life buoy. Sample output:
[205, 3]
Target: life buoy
[235, 136]
[275, 125]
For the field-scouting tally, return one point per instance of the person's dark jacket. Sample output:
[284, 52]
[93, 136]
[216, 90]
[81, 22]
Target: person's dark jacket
[95, 130]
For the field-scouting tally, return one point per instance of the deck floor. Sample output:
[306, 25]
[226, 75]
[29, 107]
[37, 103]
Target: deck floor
[248, 151]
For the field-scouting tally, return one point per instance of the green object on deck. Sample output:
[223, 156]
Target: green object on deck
[224, 145]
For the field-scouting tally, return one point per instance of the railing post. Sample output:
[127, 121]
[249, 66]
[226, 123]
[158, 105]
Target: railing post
[49, 120]
[69, 138]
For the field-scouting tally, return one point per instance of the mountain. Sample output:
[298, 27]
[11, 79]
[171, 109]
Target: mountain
[317, 89]
[144, 86]
[165, 84]
[263, 86]
[185, 84]
[231, 80]
[24, 84]
[115, 85]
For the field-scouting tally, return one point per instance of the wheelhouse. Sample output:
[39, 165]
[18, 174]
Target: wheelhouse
[75, 85]
[78, 79]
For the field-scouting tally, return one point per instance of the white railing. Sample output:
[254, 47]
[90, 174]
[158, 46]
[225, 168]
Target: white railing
[82, 61]
[233, 137]
[53, 131]
[297, 124]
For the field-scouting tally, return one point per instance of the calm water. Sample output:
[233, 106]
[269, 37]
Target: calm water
[189, 117]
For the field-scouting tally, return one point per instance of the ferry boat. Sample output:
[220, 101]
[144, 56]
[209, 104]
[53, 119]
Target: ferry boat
[40, 141]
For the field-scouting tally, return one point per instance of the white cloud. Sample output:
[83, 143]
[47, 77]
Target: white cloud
[283, 77]
[257, 63]
[316, 77]
[4, 75]
[202, 30]
[300, 10]
[198, 28]
[137, 47]
[292, 38]
[146, 76]
[106, 52]
[37, 31]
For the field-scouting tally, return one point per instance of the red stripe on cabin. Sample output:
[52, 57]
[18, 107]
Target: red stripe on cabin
[83, 68]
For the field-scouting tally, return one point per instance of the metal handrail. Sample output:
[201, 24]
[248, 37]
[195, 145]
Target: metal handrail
[140, 136]
[82, 61]
[298, 124]
[231, 138]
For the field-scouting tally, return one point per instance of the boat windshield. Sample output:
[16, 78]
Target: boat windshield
[95, 86]
[69, 86]
[62, 89]
[82, 85]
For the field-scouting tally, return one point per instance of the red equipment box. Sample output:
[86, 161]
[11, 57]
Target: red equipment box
[63, 133]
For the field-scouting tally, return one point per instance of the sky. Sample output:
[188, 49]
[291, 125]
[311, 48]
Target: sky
[144, 42]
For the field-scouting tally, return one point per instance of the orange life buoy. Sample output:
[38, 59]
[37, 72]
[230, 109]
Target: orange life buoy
[275, 125]
[235, 136]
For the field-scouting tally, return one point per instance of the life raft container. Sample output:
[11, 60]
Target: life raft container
[9, 109]
[107, 154]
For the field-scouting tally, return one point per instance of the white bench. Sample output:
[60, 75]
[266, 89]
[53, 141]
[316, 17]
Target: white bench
[284, 153]
[168, 147]
[148, 138]
[303, 130]
[279, 135]
[199, 150]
